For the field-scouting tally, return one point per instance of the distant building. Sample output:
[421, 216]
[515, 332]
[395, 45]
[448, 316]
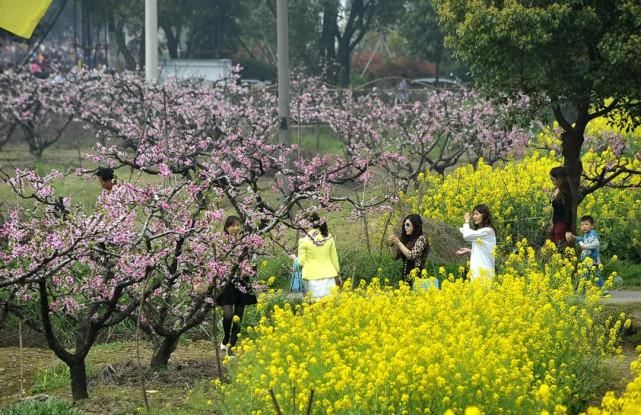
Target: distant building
[211, 70]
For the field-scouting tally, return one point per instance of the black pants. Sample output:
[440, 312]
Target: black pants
[230, 328]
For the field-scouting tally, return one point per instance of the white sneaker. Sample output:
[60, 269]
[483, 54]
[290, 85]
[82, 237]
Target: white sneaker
[223, 347]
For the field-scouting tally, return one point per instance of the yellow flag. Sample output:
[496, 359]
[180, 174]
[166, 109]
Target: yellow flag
[22, 16]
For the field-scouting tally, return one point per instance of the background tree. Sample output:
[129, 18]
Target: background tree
[258, 33]
[425, 38]
[581, 58]
[41, 109]
[60, 264]
[435, 134]
[323, 33]
[201, 29]
[219, 143]
[194, 29]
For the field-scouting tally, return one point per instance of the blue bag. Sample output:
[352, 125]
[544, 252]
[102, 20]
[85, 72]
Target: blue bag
[296, 283]
[424, 284]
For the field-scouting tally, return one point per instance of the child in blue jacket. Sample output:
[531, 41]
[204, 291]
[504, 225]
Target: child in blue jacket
[590, 244]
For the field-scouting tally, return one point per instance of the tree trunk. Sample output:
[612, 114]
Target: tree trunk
[572, 141]
[172, 40]
[5, 137]
[344, 62]
[130, 61]
[437, 71]
[328, 39]
[78, 375]
[163, 352]
[4, 311]
[35, 149]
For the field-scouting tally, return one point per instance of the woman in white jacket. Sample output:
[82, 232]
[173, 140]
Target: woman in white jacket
[483, 239]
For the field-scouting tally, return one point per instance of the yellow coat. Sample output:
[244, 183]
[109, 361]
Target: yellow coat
[318, 257]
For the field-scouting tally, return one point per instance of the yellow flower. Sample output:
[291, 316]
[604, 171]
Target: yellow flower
[544, 392]
[473, 410]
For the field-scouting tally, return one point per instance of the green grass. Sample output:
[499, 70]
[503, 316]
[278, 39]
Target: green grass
[629, 272]
[50, 406]
[56, 377]
[317, 139]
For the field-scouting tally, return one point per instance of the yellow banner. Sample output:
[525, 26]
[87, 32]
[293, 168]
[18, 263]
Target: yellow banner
[22, 16]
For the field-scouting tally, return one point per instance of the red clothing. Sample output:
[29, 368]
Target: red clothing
[558, 232]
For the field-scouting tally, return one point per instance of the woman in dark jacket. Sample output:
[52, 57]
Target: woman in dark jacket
[412, 247]
[236, 294]
[562, 207]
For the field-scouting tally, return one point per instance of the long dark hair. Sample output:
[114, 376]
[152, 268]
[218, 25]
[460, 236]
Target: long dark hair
[417, 231]
[318, 223]
[488, 221]
[231, 221]
[564, 194]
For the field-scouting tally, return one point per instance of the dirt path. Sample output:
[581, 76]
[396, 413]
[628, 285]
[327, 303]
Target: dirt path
[622, 297]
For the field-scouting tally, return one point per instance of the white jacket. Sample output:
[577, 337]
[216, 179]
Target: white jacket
[483, 246]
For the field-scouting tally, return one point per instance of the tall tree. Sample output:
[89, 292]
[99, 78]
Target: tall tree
[324, 33]
[343, 29]
[582, 57]
[197, 29]
[420, 27]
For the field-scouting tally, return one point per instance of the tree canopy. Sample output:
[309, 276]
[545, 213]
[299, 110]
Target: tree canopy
[581, 56]
[579, 52]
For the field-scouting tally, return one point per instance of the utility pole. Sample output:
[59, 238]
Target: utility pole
[283, 72]
[151, 40]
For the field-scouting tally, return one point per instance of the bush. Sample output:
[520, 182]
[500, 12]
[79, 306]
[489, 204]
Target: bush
[41, 407]
[524, 344]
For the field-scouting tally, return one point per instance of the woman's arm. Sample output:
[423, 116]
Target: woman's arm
[472, 235]
[302, 252]
[417, 249]
[333, 257]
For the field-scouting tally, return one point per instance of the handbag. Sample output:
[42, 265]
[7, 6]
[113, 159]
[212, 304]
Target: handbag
[424, 284]
[296, 281]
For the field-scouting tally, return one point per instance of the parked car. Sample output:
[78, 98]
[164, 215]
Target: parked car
[255, 83]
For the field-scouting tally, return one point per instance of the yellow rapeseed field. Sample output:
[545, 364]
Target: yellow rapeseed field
[519, 195]
[528, 342]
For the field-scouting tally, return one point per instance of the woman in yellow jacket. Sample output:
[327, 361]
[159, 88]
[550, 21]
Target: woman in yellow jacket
[317, 256]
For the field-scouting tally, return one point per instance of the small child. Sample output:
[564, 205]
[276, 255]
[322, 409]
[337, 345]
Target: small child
[589, 244]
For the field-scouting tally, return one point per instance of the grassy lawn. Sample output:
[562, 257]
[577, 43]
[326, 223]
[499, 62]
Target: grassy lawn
[114, 385]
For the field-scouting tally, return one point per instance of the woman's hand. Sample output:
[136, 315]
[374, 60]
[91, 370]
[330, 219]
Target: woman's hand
[393, 240]
[201, 288]
[463, 251]
[466, 217]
